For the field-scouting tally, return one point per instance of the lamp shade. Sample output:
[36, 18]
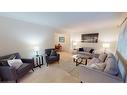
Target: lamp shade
[74, 43]
[106, 45]
[36, 48]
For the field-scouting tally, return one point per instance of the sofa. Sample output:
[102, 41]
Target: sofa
[51, 56]
[108, 70]
[9, 73]
[88, 51]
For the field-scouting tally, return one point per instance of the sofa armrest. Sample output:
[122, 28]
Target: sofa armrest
[8, 73]
[96, 76]
[24, 60]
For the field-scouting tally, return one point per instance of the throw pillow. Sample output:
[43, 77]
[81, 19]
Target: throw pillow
[16, 63]
[111, 66]
[81, 49]
[102, 57]
[53, 53]
[98, 66]
[91, 51]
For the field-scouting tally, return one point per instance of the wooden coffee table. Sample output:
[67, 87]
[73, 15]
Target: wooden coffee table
[80, 59]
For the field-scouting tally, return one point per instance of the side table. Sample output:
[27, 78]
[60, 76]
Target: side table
[38, 61]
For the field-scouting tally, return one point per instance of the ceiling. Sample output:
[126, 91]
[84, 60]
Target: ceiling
[68, 20]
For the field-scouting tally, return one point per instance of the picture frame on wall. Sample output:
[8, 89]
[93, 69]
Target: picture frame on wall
[89, 38]
[62, 39]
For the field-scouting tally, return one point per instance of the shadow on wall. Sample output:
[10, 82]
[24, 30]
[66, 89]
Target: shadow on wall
[20, 36]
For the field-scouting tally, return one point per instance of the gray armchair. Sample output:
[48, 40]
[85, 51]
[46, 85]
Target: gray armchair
[49, 58]
[9, 73]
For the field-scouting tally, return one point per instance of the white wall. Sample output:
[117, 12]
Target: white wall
[20, 36]
[105, 35]
[66, 44]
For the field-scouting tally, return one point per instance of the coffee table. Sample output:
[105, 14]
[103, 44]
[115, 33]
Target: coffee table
[80, 59]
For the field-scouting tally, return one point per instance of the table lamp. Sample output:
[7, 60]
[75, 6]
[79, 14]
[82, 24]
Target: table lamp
[36, 50]
[74, 44]
[106, 46]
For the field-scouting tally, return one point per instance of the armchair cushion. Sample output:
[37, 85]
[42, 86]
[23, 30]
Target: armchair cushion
[22, 68]
[93, 61]
[25, 60]
[53, 53]
[53, 57]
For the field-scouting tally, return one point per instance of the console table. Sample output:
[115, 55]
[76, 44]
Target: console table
[38, 61]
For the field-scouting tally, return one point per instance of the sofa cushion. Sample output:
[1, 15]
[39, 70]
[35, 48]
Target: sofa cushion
[98, 66]
[16, 63]
[86, 49]
[111, 66]
[102, 57]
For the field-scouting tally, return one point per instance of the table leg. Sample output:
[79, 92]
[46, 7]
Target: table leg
[86, 62]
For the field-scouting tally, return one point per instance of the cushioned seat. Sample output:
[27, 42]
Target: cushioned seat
[114, 71]
[9, 73]
[23, 68]
[86, 51]
[51, 56]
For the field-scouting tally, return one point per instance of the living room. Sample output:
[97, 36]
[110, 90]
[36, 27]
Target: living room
[30, 34]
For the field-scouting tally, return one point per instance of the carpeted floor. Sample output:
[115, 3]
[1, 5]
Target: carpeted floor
[64, 72]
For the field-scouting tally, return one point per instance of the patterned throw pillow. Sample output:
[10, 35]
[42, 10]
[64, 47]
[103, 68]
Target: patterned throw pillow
[16, 63]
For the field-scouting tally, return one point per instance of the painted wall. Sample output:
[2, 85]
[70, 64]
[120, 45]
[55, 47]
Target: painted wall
[22, 37]
[122, 42]
[105, 35]
[66, 44]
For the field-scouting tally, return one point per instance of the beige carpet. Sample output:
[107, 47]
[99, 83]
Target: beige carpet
[64, 72]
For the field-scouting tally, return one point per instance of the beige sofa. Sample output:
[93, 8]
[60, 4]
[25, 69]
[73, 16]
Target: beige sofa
[89, 74]
[88, 51]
